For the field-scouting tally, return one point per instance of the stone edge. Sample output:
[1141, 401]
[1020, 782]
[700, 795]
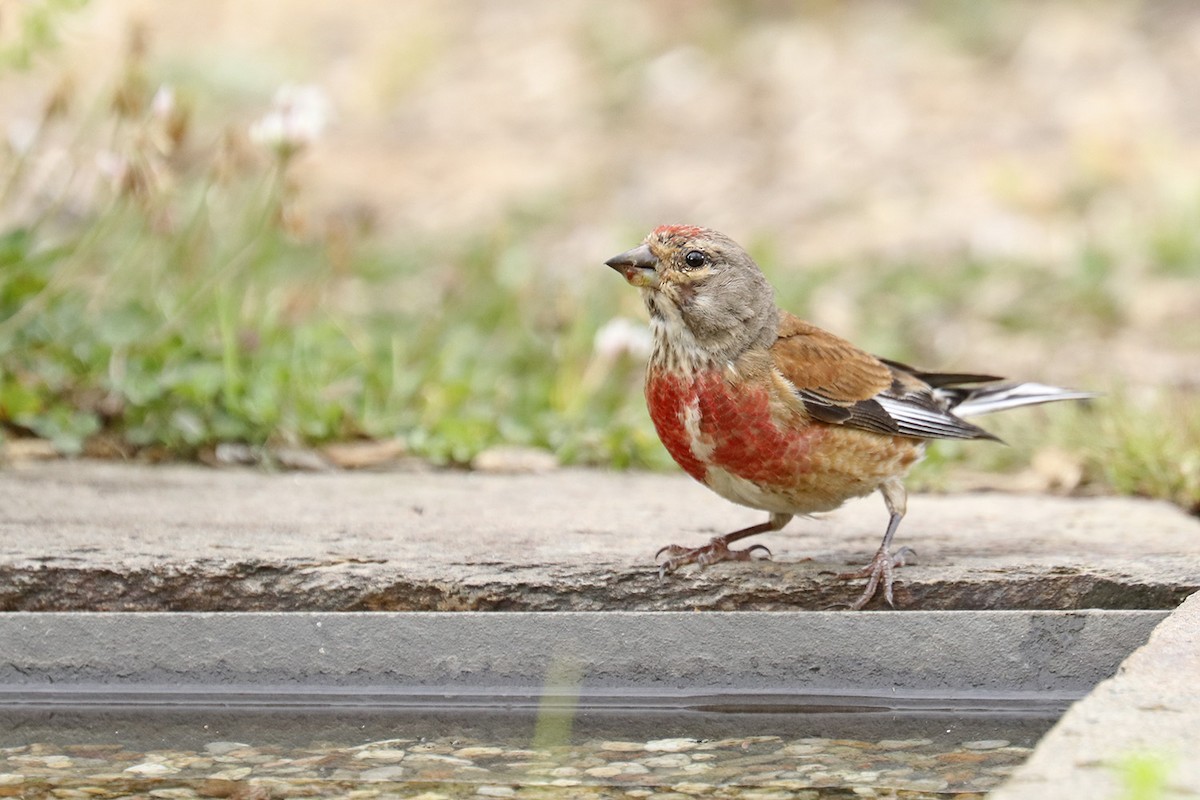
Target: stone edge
[1148, 713]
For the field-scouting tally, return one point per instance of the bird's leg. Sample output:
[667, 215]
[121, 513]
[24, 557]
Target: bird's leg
[718, 548]
[880, 569]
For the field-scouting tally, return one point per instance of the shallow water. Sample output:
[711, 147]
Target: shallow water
[258, 753]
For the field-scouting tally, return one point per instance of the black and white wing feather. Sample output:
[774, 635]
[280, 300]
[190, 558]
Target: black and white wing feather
[842, 385]
[931, 405]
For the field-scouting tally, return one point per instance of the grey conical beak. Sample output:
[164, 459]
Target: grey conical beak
[637, 265]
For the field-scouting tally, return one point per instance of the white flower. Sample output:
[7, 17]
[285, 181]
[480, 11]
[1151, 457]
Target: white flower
[298, 117]
[163, 103]
[22, 135]
[113, 166]
[622, 335]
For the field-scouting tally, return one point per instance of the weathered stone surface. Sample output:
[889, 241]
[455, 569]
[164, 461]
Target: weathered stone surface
[1149, 712]
[109, 536]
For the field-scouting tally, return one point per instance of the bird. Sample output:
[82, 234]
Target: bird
[776, 414]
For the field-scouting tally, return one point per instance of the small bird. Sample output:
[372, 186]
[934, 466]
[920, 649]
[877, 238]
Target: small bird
[776, 414]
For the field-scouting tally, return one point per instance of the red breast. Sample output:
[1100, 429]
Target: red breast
[707, 421]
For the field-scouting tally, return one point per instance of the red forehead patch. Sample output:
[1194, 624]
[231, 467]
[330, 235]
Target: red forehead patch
[685, 231]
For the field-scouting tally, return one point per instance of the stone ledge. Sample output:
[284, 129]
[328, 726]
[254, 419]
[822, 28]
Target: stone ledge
[109, 536]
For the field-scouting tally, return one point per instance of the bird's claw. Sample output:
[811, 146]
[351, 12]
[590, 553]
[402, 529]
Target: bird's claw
[878, 571]
[716, 550]
[901, 556]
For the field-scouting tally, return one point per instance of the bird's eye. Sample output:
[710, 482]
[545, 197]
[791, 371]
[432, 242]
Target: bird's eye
[695, 259]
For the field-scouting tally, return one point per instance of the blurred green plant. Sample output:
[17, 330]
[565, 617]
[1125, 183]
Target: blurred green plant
[559, 703]
[1151, 449]
[1174, 243]
[193, 303]
[36, 24]
[1144, 776]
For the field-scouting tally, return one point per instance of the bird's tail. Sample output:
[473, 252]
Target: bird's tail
[974, 401]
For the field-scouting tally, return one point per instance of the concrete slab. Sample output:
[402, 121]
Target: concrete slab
[1149, 712]
[891, 660]
[109, 536]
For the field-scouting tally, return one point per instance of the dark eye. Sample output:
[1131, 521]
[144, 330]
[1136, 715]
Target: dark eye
[695, 259]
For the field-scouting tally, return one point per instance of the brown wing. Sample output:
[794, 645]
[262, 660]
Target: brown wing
[843, 385]
[817, 361]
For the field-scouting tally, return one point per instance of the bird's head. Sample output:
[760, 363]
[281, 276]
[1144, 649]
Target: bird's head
[704, 281]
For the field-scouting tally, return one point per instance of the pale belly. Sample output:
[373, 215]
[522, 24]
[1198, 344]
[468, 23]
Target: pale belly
[727, 437]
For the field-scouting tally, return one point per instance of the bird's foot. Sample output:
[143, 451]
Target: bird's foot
[878, 571]
[716, 550]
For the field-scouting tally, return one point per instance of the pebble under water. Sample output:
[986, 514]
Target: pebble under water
[258, 754]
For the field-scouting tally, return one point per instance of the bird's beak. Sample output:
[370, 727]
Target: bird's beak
[637, 265]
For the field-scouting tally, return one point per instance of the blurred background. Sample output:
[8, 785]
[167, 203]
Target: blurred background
[317, 235]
